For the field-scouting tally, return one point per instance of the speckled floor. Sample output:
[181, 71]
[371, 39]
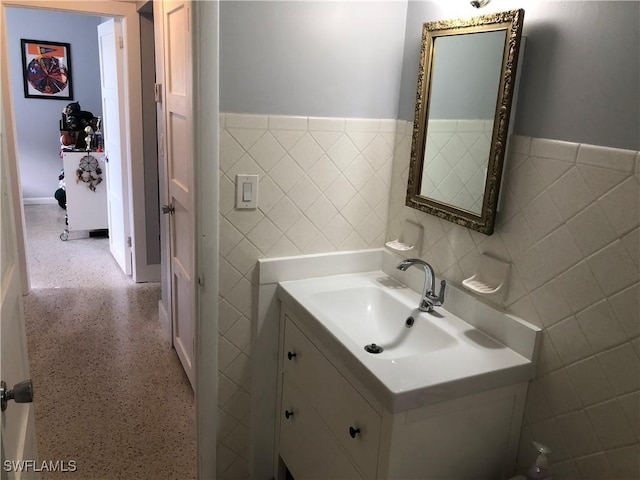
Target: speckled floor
[110, 393]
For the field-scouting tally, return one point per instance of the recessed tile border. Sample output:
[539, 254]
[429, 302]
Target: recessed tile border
[286, 122]
[327, 124]
[606, 157]
[556, 149]
[242, 120]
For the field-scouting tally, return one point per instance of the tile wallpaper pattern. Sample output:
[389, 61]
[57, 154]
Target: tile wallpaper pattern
[569, 226]
[324, 186]
[456, 158]
[568, 223]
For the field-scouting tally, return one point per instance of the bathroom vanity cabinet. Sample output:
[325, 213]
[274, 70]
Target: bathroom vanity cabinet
[332, 425]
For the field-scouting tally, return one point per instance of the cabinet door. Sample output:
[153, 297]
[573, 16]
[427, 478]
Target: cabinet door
[354, 423]
[306, 446]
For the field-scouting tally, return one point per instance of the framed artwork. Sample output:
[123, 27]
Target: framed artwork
[46, 70]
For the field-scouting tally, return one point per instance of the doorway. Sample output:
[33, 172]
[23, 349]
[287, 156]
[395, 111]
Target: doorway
[93, 292]
[205, 25]
[38, 120]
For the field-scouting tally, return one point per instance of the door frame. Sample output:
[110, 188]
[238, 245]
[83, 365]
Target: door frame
[205, 21]
[141, 271]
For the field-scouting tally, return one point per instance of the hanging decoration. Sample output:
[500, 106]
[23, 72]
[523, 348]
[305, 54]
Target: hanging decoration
[89, 171]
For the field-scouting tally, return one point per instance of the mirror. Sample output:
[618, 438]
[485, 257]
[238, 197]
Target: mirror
[466, 79]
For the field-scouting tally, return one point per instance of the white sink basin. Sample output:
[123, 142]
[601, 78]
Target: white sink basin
[438, 358]
[370, 315]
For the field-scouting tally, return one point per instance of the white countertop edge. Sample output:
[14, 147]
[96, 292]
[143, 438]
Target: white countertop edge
[433, 394]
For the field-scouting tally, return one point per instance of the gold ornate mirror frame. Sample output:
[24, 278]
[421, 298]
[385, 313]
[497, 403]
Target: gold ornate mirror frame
[511, 23]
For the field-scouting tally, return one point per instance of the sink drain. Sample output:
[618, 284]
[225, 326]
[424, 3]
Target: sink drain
[373, 348]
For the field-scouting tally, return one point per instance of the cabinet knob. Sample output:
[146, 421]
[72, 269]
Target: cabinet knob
[353, 432]
[288, 414]
[290, 355]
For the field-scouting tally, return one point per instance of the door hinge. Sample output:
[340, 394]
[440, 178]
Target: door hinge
[121, 42]
[129, 241]
[201, 281]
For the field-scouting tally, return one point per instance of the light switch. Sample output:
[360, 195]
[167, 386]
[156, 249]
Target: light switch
[246, 191]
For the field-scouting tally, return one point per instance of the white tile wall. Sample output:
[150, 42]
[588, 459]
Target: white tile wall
[323, 186]
[569, 224]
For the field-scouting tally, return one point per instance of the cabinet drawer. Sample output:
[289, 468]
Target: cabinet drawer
[348, 415]
[306, 446]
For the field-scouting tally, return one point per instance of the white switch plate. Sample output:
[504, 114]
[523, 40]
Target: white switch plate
[246, 191]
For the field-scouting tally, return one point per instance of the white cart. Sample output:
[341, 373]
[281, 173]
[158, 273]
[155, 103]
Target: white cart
[86, 188]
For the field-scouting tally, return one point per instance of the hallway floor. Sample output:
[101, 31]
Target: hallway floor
[110, 393]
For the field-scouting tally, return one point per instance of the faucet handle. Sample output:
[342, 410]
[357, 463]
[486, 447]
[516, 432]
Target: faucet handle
[437, 300]
[443, 286]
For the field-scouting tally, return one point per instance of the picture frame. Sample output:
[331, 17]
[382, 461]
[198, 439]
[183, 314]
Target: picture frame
[46, 69]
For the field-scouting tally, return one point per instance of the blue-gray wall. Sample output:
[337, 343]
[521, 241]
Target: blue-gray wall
[581, 70]
[581, 74]
[316, 58]
[36, 120]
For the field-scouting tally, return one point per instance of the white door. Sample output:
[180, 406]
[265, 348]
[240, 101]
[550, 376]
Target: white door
[113, 120]
[179, 154]
[17, 421]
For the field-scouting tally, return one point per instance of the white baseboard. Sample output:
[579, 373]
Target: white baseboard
[39, 201]
[165, 321]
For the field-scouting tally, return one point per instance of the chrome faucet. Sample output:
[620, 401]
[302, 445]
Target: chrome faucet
[429, 298]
